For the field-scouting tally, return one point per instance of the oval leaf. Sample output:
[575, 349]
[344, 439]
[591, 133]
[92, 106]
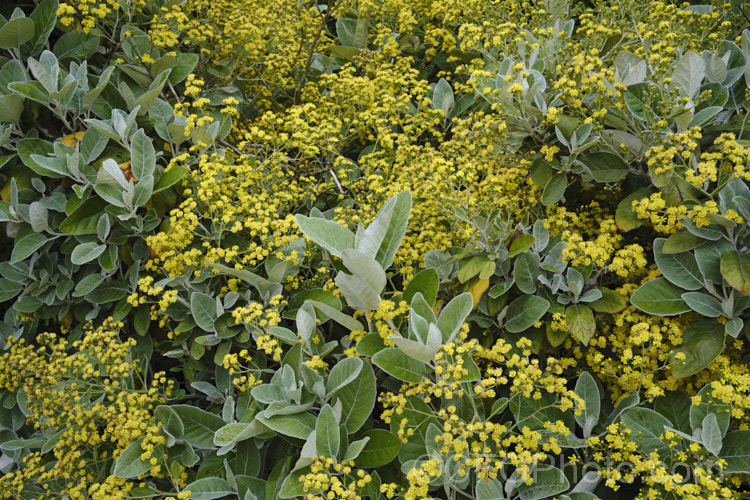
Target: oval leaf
[659, 297]
[399, 365]
[735, 268]
[702, 343]
[524, 312]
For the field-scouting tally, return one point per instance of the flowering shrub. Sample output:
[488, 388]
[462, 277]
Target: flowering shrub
[359, 249]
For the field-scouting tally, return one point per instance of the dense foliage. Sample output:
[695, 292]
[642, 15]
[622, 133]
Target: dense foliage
[374, 249]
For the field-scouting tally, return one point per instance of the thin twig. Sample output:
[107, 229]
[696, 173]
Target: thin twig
[336, 180]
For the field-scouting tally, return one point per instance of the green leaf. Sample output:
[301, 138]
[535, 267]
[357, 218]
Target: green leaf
[380, 450]
[397, 364]
[26, 246]
[646, 426]
[425, 282]
[453, 315]
[525, 270]
[520, 244]
[736, 452]
[16, 32]
[264, 287]
[355, 449]
[681, 268]
[625, 218]
[610, 301]
[44, 17]
[365, 267]
[186, 62]
[659, 297]
[472, 267]
[86, 252]
[705, 232]
[11, 107]
[554, 189]
[708, 257]
[203, 308]
[734, 326]
[417, 350]
[548, 482]
[675, 406]
[169, 419]
[605, 167]
[580, 321]
[382, 238]
[342, 319]
[681, 241]
[200, 425]
[327, 438]
[489, 489]
[31, 90]
[688, 73]
[209, 488]
[711, 434]
[331, 236]
[9, 289]
[587, 390]
[88, 284]
[524, 312]
[142, 156]
[702, 342]
[442, 96]
[343, 373]
[359, 294]
[298, 425]
[170, 178]
[703, 304]
[735, 268]
[233, 433]
[357, 399]
[129, 463]
[84, 219]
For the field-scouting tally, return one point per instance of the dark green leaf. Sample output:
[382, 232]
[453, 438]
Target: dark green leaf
[129, 463]
[358, 399]
[681, 268]
[209, 488]
[200, 425]
[16, 32]
[702, 342]
[605, 167]
[554, 189]
[659, 297]
[397, 364]
[327, 439]
[425, 282]
[735, 268]
[524, 312]
[382, 447]
[610, 301]
[26, 246]
[548, 482]
[703, 304]
[203, 308]
[736, 452]
[681, 241]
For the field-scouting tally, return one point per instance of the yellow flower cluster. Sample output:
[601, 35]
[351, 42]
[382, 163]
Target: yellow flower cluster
[89, 13]
[618, 445]
[85, 390]
[245, 376]
[329, 479]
